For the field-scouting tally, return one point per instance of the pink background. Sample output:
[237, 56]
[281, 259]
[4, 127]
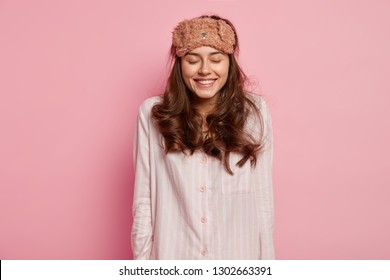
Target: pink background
[73, 73]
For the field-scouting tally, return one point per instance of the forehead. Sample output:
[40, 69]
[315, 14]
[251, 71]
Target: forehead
[204, 50]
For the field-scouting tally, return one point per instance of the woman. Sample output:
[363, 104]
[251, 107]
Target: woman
[203, 156]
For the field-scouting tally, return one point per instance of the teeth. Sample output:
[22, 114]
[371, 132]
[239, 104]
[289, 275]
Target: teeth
[205, 82]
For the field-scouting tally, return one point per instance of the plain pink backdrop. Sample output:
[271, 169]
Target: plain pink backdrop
[73, 73]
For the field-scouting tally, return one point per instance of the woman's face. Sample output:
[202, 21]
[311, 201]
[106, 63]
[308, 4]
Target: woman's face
[205, 71]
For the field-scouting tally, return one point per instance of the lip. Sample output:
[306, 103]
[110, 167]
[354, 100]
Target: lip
[205, 83]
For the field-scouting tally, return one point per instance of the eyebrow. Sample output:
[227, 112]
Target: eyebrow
[196, 54]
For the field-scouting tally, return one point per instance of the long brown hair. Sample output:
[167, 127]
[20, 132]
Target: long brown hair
[181, 124]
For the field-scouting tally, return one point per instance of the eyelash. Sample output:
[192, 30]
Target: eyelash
[213, 61]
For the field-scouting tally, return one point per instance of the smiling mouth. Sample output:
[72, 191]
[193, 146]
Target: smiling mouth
[205, 82]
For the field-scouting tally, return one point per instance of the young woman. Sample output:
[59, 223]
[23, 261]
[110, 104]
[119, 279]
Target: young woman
[203, 156]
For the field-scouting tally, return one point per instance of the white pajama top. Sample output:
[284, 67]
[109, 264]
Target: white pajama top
[190, 207]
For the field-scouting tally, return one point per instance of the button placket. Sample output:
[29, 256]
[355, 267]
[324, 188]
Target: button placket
[204, 198]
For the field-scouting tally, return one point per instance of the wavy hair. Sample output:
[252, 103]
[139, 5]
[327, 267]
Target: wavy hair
[181, 124]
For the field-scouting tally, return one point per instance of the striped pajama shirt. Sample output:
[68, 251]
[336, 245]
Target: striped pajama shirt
[189, 207]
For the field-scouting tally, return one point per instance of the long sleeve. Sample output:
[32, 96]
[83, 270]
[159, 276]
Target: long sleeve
[141, 235]
[189, 207]
[264, 192]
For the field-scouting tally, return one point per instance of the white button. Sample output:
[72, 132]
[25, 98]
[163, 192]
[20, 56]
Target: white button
[202, 188]
[203, 220]
[204, 252]
[203, 159]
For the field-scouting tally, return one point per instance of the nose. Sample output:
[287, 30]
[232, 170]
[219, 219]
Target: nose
[204, 69]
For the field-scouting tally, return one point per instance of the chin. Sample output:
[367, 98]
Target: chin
[205, 95]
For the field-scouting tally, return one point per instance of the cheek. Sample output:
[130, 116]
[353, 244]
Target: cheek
[186, 79]
[186, 71]
[185, 74]
[223, 71]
